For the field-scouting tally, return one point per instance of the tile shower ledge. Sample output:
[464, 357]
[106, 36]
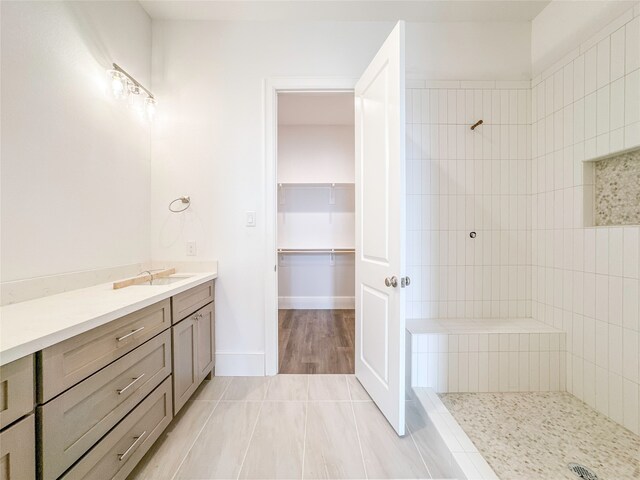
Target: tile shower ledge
[612, 154]
[30, 326]
[453, 326]
[460, 457]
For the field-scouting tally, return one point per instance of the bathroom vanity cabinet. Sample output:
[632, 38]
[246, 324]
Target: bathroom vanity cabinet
[17, 422]
[103, 397]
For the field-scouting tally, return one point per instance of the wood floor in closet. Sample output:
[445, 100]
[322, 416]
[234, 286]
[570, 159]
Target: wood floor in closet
[316, 341]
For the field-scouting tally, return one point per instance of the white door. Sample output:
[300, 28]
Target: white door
[380, 246]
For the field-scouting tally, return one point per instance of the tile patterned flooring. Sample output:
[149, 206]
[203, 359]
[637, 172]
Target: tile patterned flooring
[283, 427]
[535, 435]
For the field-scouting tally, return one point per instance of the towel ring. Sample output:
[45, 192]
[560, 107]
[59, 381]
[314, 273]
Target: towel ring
[185, 200]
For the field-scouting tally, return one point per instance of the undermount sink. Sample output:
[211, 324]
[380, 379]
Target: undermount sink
[164, 281]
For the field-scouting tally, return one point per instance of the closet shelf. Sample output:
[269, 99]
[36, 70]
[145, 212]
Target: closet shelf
[316, 184]
[316, 250]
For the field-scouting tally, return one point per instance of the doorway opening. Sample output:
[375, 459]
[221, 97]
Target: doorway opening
[315, 233]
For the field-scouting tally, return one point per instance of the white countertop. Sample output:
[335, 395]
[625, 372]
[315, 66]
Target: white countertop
[30, 326]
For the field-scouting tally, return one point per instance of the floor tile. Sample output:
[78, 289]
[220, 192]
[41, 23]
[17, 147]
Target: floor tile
[164, 458]
[247, 388]
[221, 447]
[212, 389]
[385, 454]
[356, 390]
[276, 448]
[328, 387]
[288, 387]
[332, 449]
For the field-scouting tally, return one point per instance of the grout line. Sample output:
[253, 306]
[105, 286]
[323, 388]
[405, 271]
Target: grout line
[201, 430]
[355, 422]
[415, 444]
[304, 437]
[253, 430]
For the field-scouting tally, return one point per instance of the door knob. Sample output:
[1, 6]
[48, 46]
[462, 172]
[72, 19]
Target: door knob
[391, 282]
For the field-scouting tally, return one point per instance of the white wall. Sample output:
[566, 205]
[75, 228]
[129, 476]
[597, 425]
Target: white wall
[75, 163]
[208, 141]
[585, 280]
[459, 181]
[564, 25]
[469, 51]
[316, 153]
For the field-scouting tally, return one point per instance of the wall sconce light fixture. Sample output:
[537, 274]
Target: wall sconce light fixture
[124, 86]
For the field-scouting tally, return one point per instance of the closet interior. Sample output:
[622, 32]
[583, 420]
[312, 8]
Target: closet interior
[316, 232]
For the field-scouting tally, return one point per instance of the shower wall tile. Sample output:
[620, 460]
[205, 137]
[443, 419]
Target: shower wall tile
[524, 362]
[585, 279]
[462, 181]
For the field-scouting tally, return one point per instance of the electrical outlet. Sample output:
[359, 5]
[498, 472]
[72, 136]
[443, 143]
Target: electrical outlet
[191, 249]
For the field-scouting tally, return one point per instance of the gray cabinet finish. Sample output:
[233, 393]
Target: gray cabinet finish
[67, 363]
[116, 455]
[193, 353]
[74, 421]
[185, 303]
[18, 451]
[185, 377]
[16, 390]
[206, 341]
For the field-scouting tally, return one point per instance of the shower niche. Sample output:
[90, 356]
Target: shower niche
[612, 189]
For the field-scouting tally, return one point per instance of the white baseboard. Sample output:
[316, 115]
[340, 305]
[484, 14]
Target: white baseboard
[316, 303]
[235, 364]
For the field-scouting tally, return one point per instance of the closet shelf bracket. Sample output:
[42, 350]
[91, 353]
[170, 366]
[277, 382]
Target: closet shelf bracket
[332, 194]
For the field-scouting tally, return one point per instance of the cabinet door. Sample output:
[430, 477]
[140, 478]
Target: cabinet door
[185, 368]
[206, 340]
[16, 390]
[18, 451]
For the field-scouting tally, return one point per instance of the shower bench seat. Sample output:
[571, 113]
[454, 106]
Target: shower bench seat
[486, 355]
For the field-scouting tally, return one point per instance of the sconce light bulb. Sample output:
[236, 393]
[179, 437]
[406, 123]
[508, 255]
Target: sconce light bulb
[117, 84]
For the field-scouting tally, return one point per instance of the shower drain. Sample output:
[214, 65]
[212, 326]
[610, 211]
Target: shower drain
[582, 471]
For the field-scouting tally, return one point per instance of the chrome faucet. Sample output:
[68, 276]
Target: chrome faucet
[149, 273]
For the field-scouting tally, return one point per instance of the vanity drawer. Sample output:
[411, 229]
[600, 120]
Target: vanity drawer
[69, 362]
[16, 390]
[73, 422]
[18, 451]
[119, 452]
[185, 303]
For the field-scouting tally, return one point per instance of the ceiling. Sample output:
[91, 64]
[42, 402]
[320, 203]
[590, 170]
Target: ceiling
[315, 109]
[346, 10]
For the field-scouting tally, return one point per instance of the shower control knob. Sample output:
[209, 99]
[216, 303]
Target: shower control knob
[391, 282]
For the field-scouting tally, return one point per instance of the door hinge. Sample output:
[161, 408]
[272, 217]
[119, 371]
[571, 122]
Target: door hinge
[405, 282]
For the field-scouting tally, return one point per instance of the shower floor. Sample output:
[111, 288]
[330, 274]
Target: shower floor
[535, 435]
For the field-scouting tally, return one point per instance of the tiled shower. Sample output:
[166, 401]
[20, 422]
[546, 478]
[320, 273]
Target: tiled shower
[524, 183]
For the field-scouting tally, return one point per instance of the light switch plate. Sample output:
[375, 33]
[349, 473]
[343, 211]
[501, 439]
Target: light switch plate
[250, 218]
[191, 249]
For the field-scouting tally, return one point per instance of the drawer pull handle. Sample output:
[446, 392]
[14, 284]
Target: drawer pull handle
[130, 333]
[121, 456]
[122, 390]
